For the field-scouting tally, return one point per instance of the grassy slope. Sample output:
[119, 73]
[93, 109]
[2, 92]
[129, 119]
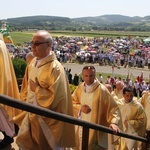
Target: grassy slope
[21, 37]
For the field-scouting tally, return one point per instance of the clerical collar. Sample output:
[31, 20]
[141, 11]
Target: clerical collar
[127, 102]
[38, 61]
[88, 87]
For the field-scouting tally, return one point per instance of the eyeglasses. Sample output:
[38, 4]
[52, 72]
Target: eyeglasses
[37, 43]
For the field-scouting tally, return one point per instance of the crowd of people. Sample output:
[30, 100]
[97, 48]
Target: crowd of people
[46, 84]
[125, 52]
[131, 52]
[139, 85]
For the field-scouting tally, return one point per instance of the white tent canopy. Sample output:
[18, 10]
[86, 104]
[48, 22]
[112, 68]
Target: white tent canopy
[147, 40]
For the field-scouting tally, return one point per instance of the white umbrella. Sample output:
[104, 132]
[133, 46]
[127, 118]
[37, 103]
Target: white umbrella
[79, 43]
[147, 40]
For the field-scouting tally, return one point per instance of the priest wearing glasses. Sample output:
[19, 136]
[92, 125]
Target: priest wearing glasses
[48, 87]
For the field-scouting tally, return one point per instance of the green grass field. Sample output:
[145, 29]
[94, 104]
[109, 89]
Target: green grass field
[22, 37]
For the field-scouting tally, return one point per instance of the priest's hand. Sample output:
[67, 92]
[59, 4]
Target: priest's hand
[115, 128]
[85, 109]
[33, 84]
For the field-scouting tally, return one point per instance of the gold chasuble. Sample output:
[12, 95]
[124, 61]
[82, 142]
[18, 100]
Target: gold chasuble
[145, 101]
[116, 95]
[8, 87]
[134, 114]
[53, 93]
[8, 80]
[104, 111]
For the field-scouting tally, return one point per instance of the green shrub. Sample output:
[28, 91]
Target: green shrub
[72, 87]
[19, 67]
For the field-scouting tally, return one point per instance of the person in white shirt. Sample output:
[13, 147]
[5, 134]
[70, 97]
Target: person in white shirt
[100, 78]
[135, 88]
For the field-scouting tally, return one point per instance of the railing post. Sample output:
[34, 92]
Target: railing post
[146, 146]
[85, 138]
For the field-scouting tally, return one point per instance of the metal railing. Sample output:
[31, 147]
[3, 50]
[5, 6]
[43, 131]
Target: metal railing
[65, 118]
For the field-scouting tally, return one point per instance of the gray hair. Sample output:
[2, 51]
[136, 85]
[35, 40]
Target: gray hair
[47, 36]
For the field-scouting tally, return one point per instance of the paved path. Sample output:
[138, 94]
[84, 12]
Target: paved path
[77, 68]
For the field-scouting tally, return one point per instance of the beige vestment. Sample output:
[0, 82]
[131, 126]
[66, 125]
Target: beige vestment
[134, 113]
[24, 86]
[145, 101]
[116, 95]
[8, 80]
[104, 111]
[8, 87]
[53, 93]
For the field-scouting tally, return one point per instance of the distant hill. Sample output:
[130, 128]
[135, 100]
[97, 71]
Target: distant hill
[31, 19]
[108, 19]
[104, 22]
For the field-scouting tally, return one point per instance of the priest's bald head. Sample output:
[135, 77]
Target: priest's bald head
[41, 44]
[119, 85]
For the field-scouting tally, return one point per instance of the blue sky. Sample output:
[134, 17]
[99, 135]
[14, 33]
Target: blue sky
[73, 9]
